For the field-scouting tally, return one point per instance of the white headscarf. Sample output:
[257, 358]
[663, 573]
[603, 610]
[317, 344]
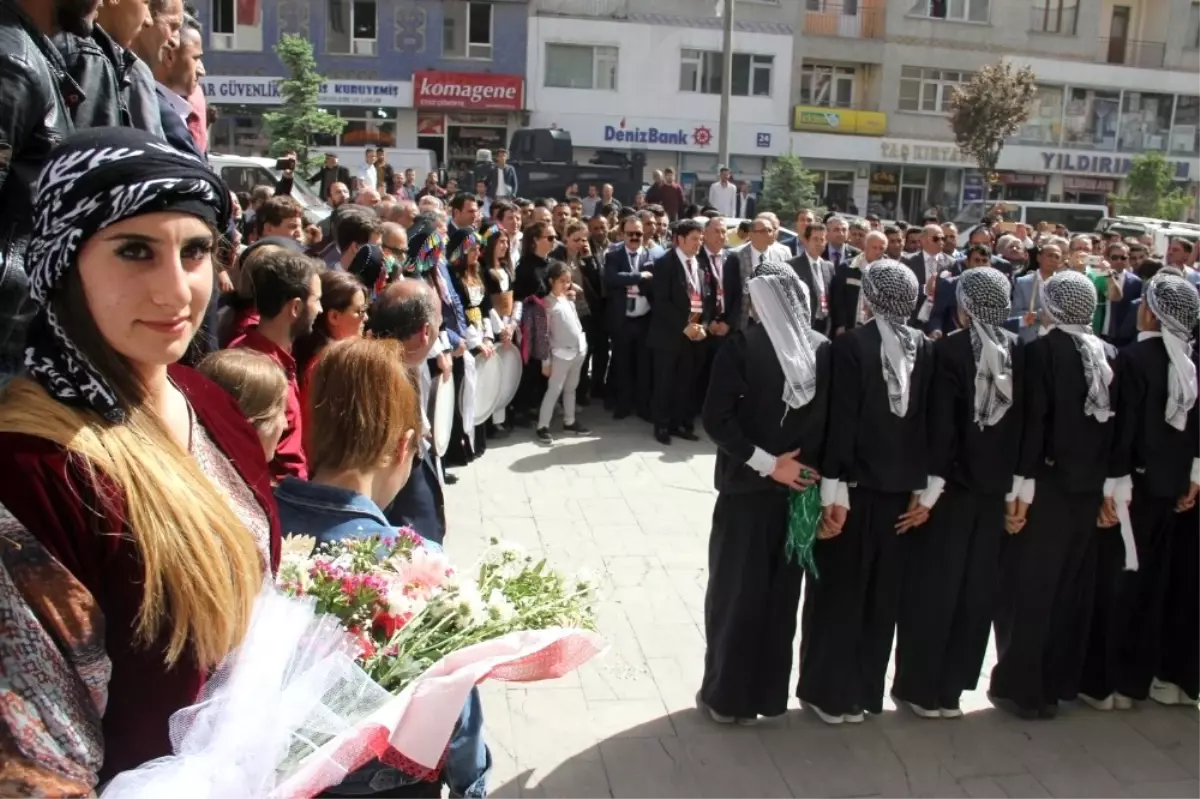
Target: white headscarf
[1174, 302]
[780, 301]
[983, 294]
[1069, 298]
[890, 291]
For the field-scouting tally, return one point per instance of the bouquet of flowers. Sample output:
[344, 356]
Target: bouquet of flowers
[365, 649]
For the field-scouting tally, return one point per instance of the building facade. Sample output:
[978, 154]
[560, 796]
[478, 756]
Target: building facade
[873, 82]
[646, 74]
[446, 76]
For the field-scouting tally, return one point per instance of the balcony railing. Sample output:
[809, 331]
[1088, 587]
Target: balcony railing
[845, 20]
[1131, 53]
[618, 9]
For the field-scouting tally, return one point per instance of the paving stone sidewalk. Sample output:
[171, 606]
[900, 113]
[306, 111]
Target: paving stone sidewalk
[637, 514]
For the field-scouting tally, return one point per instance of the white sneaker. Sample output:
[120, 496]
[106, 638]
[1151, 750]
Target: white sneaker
[854, 718]
[823, 716]
[950, 712]
[1122, 702]
[1169, 694]
[923, 712]
[1099, 704]
[712, 714]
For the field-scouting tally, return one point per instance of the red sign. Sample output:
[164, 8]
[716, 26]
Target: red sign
[475, 91]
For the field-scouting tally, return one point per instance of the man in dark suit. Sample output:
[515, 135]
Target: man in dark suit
[575, 252]
[678, 332]
[178, 73]
[837, 250]
[329, 174]
[628, 276]
[1120, 318]
[930, 262]
[845, 290]
[745, 204]
[720, 264]
[817, 274]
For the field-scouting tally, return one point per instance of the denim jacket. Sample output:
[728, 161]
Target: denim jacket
[329, 514]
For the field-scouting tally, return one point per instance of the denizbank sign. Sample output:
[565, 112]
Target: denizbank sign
[231, 90]
[622, 133]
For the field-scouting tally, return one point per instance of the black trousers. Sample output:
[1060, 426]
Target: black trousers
[750, 606]
[459, 452]
[849, 617]
[678, 388]
[1125, 641]
[1180, 660]
[631, 366]
[1047, 580]
[595, 366]
[951, 568]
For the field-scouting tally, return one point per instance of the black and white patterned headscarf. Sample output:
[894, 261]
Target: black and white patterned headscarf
[93, 179]
[890, 292]
[1174, 302]
[982, 294]
[1069, 298]
[780, 301]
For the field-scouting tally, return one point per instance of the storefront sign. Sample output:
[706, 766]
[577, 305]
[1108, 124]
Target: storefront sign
[973, 187]
[1094, 185]
[471, 91]
[225, 89]
[672, 137]
[839, 120]
[923, 153]
[1100, 164]
[1023, 179]
[431, 124]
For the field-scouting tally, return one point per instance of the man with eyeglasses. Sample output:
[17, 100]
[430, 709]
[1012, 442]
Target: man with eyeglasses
[762, 247]
[1028, 288]
[394, 240]
[1120, 315]
[628, 276]
[927, 265]
[576, 253]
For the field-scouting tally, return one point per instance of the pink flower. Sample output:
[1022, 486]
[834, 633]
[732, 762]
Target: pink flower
[426, 571]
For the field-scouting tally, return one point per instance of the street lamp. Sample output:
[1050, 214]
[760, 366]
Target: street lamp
[724, 9]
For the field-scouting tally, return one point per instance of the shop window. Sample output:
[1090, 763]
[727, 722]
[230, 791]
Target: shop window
[928, 90]
[1055, 16]
[1145, 121]
[352, 28]
[700, 72]
[827, 86]
[1091, 119]
[467, 30]
[953, 10]
[1044, 125]
[235, 25]
[1185, 130]
[581, 66]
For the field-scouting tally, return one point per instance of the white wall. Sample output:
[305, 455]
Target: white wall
[648, 95]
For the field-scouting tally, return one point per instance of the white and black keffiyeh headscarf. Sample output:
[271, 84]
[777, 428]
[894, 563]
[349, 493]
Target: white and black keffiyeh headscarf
[780, 301]
[93, 179]
[890, 292]
[1069, 298]
[982, 294]
[1174, 302]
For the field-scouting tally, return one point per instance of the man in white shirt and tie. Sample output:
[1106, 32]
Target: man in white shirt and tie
[723, 195]
[627, 274]
[926, 264]
[762, 246]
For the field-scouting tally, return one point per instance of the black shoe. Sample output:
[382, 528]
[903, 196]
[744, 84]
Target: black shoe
[622, 415]
[543, 435]
[577, 429]
[450, 479]
[1012, 707]
[686, 433]
[662, 436]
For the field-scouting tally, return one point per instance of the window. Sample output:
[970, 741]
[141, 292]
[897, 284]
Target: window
[352, 27]
[1185, 131]
[1055, 16]
[1044, 125]
[1191, 40]
[1090, 120]
[847, 7]
[1145, 121]
[955, 10]
[827, 86]
[223, 19]
[467, 30]
[700, 71]
[235, 26]
[928, 90]
[581, 66]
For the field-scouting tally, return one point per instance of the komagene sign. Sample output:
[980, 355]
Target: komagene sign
[471, 91]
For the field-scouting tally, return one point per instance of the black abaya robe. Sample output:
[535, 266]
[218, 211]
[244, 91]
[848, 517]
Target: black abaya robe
[952, 561]
[753, 588]
[849, 617]
[1048, 569]
[1126, 638]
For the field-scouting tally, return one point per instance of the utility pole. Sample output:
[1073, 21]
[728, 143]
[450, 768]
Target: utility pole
[726, 83]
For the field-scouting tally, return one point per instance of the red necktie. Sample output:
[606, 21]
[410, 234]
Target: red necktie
[195, 127]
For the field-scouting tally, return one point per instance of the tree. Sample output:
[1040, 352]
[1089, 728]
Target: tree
[787, 188]
[291, 128]
[1152, 190]
[988, 109]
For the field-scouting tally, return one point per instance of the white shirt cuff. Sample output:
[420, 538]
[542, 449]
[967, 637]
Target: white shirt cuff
[829, 491]
[436, 350]
[1122, 489]
[762, 462]
[1016, 489]
[933, 490]
[1196, 470]
[1110, 485]
[1028, 484]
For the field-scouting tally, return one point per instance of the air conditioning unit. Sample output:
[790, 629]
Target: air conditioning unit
[363, 47]
[222, 41]
[480, 51]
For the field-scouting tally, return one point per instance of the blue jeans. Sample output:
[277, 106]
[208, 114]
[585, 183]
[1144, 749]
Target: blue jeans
[468, 762]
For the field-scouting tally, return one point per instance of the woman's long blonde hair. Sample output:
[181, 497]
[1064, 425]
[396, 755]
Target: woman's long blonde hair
[202, 569]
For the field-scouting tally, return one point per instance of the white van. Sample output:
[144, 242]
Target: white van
[1073, 216]
[242, 174]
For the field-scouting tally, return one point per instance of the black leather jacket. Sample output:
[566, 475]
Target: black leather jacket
[35, 90]
[98, 67]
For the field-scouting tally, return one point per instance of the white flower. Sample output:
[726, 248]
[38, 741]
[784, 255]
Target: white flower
[469, 605]
[499, 608]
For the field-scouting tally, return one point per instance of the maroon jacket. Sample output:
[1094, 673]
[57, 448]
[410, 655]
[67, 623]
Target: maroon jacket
[80, 521]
